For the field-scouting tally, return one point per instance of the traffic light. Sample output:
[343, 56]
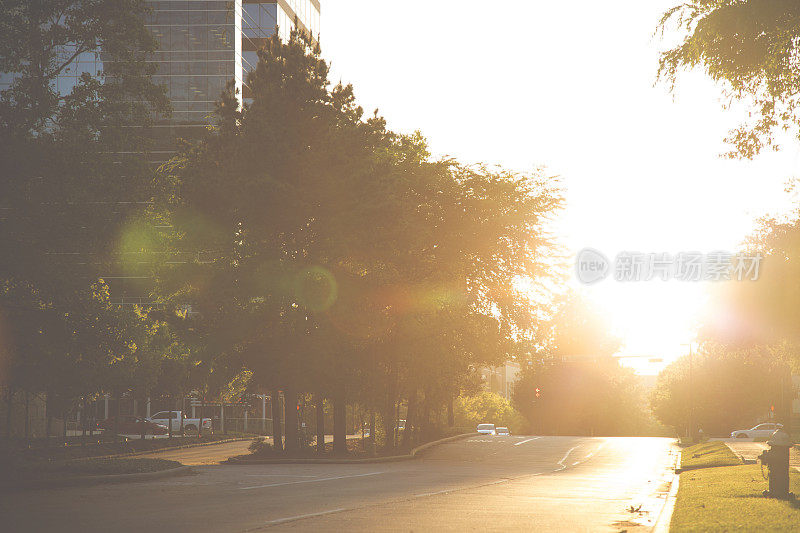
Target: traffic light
[538, 392]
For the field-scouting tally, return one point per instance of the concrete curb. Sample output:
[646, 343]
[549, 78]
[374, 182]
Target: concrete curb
[168, 449]
[73, 481]
[665, 516]
[311, 460]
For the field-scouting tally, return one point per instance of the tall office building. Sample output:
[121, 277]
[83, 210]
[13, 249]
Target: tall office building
[202, 45]
[206, 43]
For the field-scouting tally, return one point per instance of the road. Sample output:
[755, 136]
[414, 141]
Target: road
[485, 483]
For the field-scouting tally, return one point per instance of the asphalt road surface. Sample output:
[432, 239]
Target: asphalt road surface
[479, 483]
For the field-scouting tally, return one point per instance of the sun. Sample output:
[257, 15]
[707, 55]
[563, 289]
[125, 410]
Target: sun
[654, 319]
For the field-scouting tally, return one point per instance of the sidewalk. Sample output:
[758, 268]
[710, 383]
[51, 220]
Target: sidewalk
[748, 452]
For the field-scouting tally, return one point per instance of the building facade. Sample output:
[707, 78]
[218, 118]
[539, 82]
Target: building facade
[203, 44]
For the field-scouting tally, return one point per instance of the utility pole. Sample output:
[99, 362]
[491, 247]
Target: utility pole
[691, 392]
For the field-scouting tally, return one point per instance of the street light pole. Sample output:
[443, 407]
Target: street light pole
[690, 429]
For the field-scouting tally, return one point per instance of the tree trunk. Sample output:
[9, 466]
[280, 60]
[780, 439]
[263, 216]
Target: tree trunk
[200, 420]
[144, 426]
[9, 407]
[410, 419]
[387, 418]
[372, 437]
[169, 423]
[48, 421]
[27, 418]
[277, 417]
[320, 401]
[183, 410]
[116, 416]
[451, 419]
[290, 406]
[396, 429]
[339, 425]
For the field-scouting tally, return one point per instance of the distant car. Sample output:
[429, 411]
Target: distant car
[133, 425]
[757, 432]
[502, 432]
[486, 429]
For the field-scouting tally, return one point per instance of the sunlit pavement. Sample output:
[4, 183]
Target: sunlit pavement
[500, 483]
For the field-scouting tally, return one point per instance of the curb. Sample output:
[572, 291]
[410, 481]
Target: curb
[168, 449]
[95, 480]
[311, 460]
[665, 515]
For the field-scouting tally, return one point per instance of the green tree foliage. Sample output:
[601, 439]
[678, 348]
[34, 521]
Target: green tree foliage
[751, 48]
[582, 388]
[342, 259]
[488, 407]
[589, 397]
[729, 389]
[73, 172]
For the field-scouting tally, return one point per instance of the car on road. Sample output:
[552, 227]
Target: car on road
[133, 425]
[486, 429]
[756, 432]
[502, 432]
[189, 424]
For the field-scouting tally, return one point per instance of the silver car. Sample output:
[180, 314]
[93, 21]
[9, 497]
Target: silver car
[486, 429]
[757, 432]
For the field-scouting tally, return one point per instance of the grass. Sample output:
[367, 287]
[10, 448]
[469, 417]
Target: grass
[708, 454]
[101, 446]
[50, 470]
[727, 499]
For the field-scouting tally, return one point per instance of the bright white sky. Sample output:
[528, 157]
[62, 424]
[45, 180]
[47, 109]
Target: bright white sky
[569, 86]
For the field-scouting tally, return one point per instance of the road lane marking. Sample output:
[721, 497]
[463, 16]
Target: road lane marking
[309, 481]
[424, 494]
[276, 475]
[301, 516]
[526, 440]
[596, 450]
[561, 462]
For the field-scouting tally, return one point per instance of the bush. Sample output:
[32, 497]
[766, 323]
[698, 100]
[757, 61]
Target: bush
[488, 407]
[259, 446]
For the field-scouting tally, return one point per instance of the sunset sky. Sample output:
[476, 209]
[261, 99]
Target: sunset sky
[570, 86]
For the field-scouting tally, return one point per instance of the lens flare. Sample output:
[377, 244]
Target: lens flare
[315, 288]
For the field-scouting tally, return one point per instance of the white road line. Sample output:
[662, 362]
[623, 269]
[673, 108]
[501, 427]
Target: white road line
[309, 481]
[301, 516]
[276, 475]
[424, 494]
[561, 462]
[526, 440]
[596, 450]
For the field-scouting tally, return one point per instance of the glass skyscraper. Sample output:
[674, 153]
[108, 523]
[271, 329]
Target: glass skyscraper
[202, 45]
[205, 43]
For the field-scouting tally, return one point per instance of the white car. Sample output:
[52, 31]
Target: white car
[502, 432]
[759, 431]
[486, 429]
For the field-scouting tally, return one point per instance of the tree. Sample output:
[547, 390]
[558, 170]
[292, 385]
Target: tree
[488, 407]
[750, 47]
[572, 384]
[345, 261]
[729, 388]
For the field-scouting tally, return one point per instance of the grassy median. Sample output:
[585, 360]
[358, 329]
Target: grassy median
[47, 470]
[729, 498]
[707, 454]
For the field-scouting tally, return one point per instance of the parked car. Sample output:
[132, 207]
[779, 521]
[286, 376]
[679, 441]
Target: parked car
[132, 425]
[189, 424]
[486, 429]
[757, 432]
[502, 432]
